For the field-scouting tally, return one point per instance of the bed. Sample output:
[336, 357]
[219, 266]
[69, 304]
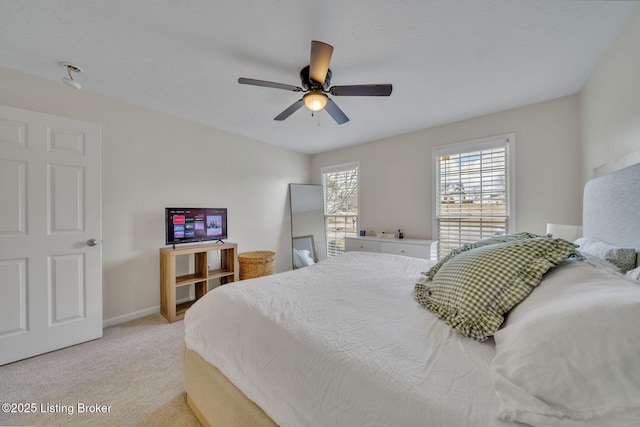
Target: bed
[348, 342]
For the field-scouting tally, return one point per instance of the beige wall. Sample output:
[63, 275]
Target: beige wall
[150, 161]
[396, 173]
[610, 102]
[558, 143]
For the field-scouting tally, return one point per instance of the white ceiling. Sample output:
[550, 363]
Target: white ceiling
[447, 60]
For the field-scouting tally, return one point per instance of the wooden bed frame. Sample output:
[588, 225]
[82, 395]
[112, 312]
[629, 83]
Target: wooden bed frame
[217, 402]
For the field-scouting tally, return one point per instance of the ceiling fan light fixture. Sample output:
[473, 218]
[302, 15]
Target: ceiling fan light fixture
[315, 100]
[315, 83]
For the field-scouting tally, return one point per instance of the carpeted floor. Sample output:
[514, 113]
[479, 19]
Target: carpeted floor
[133, 373]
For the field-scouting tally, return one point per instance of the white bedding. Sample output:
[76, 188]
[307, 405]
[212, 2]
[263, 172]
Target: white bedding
[569, 354]
[343, 343]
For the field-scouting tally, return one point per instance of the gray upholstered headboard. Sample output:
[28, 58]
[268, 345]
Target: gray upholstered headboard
[611, 208]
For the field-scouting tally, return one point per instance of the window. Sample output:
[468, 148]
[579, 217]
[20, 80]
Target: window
[340, 186]
[474, 191]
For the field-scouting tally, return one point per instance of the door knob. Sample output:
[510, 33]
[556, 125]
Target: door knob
[92, 242]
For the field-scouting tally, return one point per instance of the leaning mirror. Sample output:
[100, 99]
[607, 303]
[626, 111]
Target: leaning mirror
[307, 224]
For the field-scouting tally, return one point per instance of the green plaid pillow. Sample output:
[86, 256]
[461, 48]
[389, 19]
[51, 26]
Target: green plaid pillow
[467, 246]
[475, 289]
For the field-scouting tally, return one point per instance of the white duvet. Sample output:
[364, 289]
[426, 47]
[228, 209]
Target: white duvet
[343, 343]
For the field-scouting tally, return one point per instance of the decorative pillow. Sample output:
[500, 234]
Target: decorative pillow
[568, 355]
[473, 291]
[468, 246]
[623, 258]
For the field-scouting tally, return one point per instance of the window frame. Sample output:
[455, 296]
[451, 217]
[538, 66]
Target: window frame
[508, 141]
[336, 169]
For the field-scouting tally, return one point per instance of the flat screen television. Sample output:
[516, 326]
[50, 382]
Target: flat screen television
[187, 225]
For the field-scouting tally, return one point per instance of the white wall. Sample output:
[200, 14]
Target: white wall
[610, 102]
[559, 142]
[150, 161]
[396, 173]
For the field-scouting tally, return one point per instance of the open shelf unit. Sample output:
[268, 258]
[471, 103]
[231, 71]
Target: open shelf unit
[169, 282]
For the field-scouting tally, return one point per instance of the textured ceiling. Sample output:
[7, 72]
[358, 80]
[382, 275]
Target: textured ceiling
[447, 60]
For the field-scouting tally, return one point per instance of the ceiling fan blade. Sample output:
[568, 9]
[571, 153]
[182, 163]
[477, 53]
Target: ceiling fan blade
[289, 111]
[362, 90]
[335, 112]
[264, 83]
[320, 59]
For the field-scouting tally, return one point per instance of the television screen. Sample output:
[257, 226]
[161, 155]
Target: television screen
[185, 225]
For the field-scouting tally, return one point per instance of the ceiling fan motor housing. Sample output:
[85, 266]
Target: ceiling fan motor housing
[309, 84]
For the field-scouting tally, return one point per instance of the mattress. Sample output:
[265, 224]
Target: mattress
[344, 343]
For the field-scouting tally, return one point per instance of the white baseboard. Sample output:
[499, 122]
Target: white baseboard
[130, 316]
[135, 315]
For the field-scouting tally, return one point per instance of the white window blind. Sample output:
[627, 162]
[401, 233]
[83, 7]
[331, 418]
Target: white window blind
[340, 186]
[473, 189]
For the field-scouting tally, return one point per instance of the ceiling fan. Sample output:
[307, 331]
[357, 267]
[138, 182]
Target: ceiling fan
[315, 81]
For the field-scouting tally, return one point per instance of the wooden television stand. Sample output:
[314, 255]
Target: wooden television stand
[169, 282]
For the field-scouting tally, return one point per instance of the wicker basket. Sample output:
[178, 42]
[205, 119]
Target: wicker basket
[256, 264]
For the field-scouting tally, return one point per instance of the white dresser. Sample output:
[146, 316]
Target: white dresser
[416, 248]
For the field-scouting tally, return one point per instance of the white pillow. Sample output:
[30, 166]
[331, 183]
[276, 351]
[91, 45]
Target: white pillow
[634, 274]
[569, 354]
[305, 257]
[623, 258]
[297, 262]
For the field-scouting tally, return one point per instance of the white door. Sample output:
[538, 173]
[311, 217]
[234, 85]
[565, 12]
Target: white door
[50, 233]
